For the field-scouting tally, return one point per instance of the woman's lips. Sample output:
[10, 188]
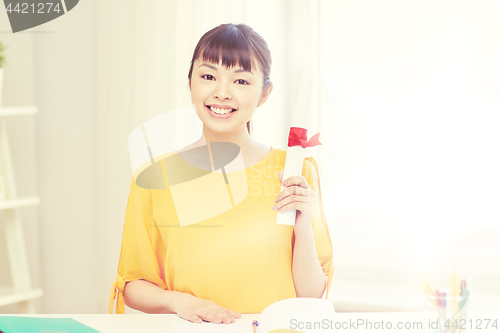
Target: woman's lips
[216, 115]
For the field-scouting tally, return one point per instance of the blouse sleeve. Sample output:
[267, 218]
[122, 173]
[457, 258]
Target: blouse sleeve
[322, 237]
[142, 253]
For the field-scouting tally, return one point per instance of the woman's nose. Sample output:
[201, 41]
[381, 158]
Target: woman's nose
[222, 90]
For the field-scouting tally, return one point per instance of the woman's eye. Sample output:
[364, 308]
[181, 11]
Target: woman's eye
[207, 77]
[243, 82]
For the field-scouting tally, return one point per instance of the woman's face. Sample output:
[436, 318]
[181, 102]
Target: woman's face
[226, 99]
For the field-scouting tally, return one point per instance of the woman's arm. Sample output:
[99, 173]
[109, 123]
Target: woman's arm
[148, 297]
[308, 277]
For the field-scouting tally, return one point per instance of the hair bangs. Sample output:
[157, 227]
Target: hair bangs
[232, 46]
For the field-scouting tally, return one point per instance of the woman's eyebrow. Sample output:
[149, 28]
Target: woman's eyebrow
[242, 70]
[209, 66]
[215, 68]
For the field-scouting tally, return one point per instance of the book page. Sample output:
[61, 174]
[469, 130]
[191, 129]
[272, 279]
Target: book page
[308, 315]
[237, 327]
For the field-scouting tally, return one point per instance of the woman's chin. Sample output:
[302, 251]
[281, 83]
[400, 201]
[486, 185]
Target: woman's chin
[224, 128]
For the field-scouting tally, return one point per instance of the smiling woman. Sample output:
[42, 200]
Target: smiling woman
[239, 260]
[225, 47]
[223, 93]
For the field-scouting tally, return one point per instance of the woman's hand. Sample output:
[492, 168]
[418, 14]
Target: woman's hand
[298, 195]
[196, 309]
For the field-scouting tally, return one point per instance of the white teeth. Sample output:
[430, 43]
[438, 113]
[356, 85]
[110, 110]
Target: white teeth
[220, 111]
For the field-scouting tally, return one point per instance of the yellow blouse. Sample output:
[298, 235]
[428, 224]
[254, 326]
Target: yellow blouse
[240, 259]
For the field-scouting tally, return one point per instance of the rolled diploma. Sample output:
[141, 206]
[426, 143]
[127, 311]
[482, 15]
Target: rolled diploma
[295, 155]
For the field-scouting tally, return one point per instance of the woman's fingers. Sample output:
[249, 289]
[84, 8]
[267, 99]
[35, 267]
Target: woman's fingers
[233, 314]
[210, 317]
[218, 316]
[295, 190]
[228, 316]
[198, 310]
[296, 180]
[192, 318]
[303, 207]
[294, 193]
[294, 201]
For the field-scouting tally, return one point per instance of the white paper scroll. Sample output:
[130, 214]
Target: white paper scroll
[300, 118]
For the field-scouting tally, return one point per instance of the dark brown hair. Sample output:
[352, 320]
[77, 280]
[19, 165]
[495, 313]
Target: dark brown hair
[235, 44]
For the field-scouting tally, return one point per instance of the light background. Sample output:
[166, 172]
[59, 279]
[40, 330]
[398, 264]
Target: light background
[408, 107]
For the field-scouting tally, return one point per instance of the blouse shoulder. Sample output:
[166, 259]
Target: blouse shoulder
[279, 155]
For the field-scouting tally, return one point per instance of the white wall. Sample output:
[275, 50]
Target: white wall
[54, 67]
[18, 90]
[65, 76]
[411, 107]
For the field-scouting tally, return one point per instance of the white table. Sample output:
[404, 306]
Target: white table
[159, 323]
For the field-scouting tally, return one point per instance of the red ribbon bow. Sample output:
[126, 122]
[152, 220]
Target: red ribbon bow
[298, 137]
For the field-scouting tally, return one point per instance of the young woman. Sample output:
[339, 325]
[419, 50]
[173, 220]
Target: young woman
[240, 261]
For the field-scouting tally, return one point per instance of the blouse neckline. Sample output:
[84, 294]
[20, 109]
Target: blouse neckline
[251, 166]
[262, 160]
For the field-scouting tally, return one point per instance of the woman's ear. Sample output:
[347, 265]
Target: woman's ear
[265, 94]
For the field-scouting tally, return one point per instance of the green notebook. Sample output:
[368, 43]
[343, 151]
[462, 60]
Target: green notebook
[16, 324]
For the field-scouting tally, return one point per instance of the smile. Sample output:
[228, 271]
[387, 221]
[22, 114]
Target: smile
[220, 113]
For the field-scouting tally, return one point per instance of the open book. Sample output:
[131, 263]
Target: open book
[307, 315]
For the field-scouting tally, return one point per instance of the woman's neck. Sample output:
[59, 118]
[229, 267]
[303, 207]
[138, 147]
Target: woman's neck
[241, 137]
[251, 150]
